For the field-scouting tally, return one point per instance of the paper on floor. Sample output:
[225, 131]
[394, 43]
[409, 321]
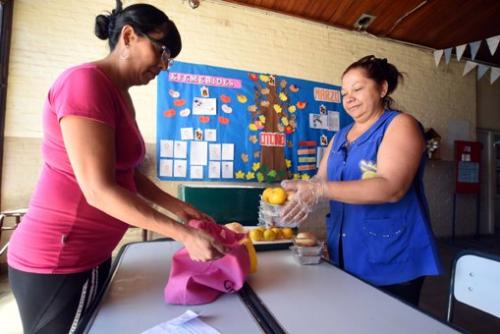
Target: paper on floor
[186, 323]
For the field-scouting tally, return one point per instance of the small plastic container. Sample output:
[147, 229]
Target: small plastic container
[269, 220]
[308, 251]
[271, 209]
[307, 255]
[307, 259]
[270, 215]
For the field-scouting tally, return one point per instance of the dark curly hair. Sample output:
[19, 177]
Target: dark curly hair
[379, 70]
[144, 19]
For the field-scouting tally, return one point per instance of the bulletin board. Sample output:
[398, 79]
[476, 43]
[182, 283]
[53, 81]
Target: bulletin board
[219, 124]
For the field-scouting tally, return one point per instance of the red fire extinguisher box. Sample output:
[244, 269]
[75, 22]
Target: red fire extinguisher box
[467, 159]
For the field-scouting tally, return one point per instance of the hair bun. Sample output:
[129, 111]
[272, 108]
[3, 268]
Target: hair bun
[102, 24]
[119, 6]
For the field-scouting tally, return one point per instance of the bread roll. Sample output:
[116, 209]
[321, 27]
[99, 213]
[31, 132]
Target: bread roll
[305, 239]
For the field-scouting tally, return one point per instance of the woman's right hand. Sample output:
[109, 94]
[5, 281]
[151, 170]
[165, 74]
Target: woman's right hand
[307, 194]
[201, 246]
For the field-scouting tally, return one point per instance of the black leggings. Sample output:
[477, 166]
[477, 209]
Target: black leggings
[55, 303]
[407, 291]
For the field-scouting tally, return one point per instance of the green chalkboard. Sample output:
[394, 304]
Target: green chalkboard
[225, 204]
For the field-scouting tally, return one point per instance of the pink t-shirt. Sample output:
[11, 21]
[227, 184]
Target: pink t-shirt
[61, 232]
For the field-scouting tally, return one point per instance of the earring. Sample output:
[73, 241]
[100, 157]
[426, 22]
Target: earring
[125, 54]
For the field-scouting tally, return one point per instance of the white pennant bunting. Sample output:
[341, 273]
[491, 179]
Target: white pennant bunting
[469, 66]
[447, 55]
[494, 74]
[481, 70]
[493, 43]
[460, 51]
[437, 56]
[474, 47]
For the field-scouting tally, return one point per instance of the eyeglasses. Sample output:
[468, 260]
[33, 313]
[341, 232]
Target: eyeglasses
[166, 61]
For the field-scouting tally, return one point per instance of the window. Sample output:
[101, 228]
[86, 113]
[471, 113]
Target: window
[5, 32]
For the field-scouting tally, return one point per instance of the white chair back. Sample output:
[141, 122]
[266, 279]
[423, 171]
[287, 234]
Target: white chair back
[475, 281]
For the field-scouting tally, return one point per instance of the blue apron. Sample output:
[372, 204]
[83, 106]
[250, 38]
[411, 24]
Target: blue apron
[381, 243]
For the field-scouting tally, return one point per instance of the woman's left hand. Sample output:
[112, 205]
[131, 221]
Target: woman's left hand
[187, 212]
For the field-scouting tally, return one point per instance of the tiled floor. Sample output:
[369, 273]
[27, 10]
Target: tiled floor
[433, 299]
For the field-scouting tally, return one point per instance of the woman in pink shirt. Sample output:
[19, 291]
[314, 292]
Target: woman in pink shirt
[90, 190]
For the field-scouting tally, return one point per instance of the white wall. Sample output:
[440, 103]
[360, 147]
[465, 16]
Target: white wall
[488, 103]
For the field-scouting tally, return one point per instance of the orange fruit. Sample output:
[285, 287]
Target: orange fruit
[277, 196]
[287, 232]
[269, 235]
[256, 234]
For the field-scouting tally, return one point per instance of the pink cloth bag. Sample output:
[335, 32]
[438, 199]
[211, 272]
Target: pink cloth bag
[193, 283]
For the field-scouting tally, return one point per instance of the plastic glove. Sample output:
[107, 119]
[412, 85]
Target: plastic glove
[306, 197]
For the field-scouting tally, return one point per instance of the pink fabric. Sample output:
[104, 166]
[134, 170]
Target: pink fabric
[61, 232]
[193, 283]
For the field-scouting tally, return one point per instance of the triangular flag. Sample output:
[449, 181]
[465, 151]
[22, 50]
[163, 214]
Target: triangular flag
[493, 43]
[494, 74]
[437, 56]
[481, 70]
[447, 55]
[469, 66]
[474, 47]
[460, 51]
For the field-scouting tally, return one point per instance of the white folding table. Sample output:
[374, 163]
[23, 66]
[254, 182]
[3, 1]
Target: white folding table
[324, 299]
[283, 296]
[133, 300]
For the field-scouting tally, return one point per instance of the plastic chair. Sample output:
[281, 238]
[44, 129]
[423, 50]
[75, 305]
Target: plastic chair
[475, 281]
[17, 215]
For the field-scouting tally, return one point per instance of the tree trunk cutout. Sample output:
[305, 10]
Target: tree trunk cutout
[272, 114]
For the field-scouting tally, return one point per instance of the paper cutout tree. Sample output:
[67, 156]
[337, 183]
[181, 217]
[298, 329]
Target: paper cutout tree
[273, 118]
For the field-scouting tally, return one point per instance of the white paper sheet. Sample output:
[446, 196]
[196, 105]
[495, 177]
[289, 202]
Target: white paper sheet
[333, 121]
[210, 134]
[199, 153]
[204, 106]
[196, 172]
[166, 167]
[318, 121]
[187, 134]
[187, 323]
[180, 168]
[166, 148]
[227, 170]
[214, 170]
[228, 152]
[180, 149]
[215, 151]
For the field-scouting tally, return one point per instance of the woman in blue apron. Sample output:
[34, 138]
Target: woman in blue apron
[378, 228]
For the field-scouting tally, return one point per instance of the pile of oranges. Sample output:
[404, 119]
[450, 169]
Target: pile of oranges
[270, 234]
